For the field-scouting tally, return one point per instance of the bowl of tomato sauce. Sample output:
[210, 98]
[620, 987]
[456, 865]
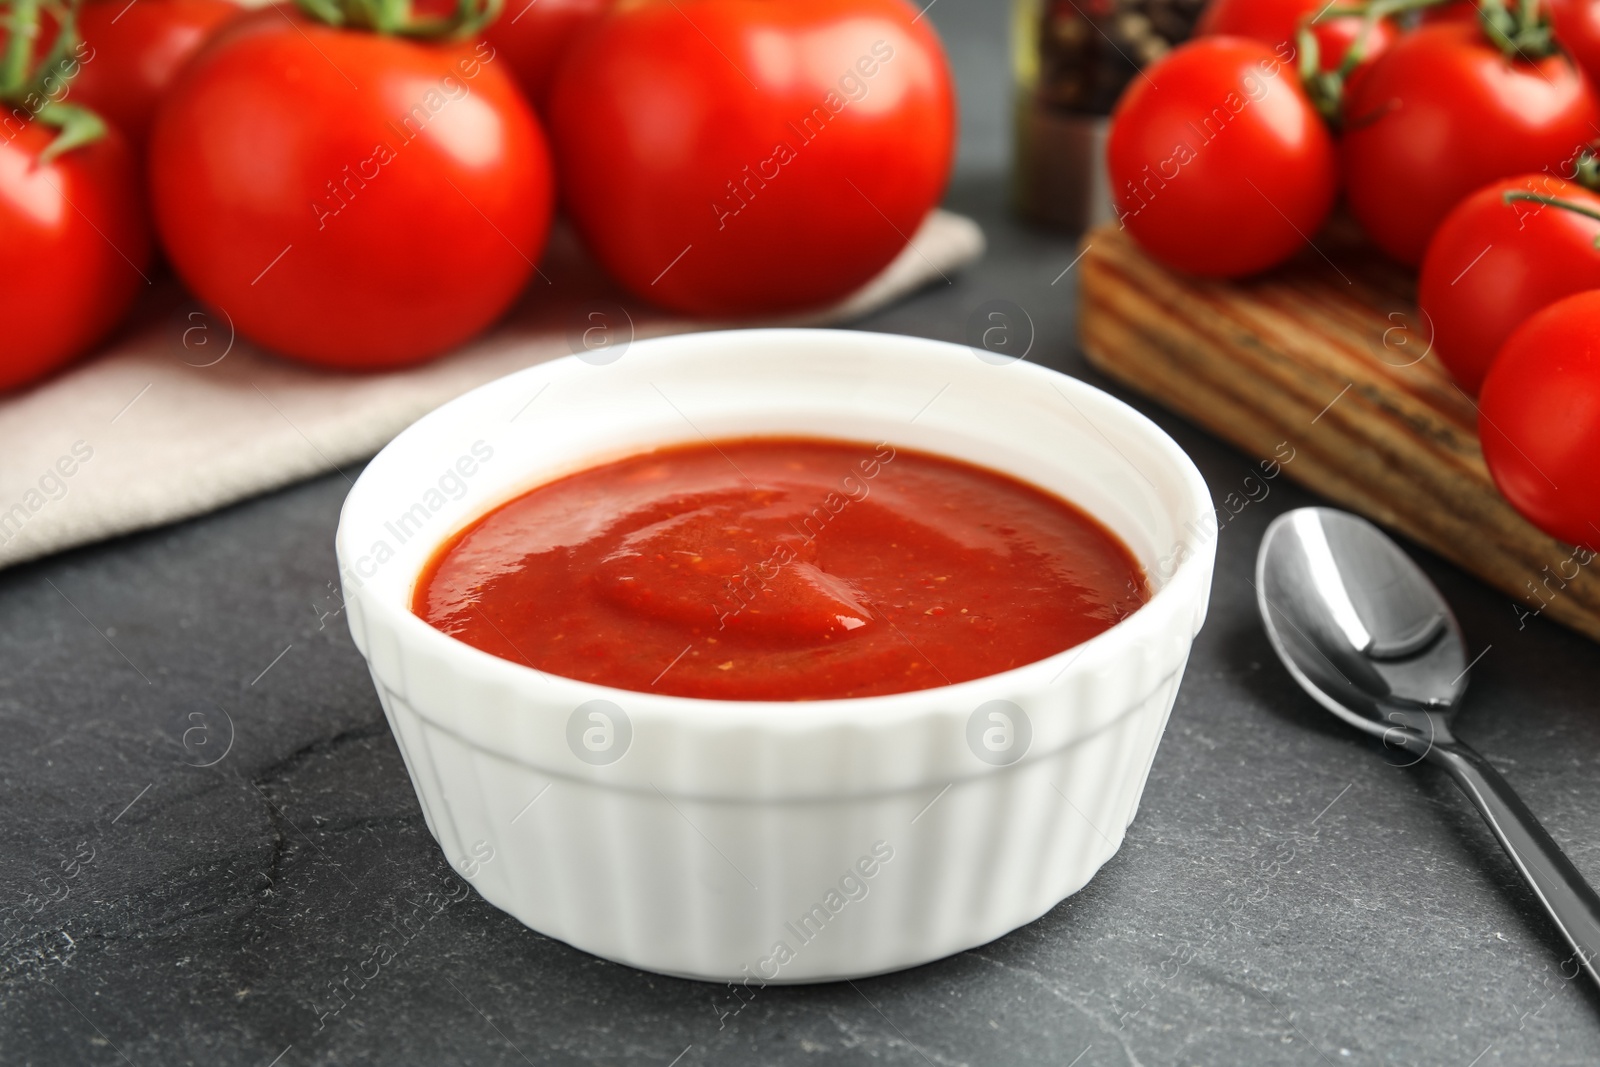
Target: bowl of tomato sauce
[773, 656]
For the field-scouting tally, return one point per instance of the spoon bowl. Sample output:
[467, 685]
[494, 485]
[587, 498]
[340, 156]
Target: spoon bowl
[1357, 623]
[1363, 630]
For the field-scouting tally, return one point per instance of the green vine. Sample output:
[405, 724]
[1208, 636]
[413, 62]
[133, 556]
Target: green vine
[22, 29]
[1522, 32]
[398, 18]
[1586, 169]
[1513, 196]
[33, 89]
[1326, 87]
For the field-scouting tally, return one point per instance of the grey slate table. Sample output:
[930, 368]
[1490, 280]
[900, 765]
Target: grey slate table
[1287, 894]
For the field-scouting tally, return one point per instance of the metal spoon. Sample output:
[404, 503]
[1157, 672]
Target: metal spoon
[1365, 632]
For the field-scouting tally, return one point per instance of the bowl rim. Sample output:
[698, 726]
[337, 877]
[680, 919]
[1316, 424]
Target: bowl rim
[1155, 615]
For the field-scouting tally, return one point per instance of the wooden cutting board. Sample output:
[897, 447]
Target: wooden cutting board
[1329, 355]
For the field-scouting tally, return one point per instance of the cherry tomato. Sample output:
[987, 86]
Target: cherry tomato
[1539, 419]
[726, 157]
[1219, 164]
[1277, 23]
[135, 50]
[73, 243]
[534, 36]
[349, 199]
[1492, 264]
[1577, 26]
[1443, 112]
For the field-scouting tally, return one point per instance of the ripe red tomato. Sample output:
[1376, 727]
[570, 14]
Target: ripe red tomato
[1444, 112]
[726, 157]
[134, 52]
[1540, 419]
[73, 243]
[534, 36]
[349, 199]
[1219, 164]
[1277, 22]
[1577, 26]
[1492, 264]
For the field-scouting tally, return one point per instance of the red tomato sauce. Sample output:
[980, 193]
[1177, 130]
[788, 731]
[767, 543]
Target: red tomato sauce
[780, 569]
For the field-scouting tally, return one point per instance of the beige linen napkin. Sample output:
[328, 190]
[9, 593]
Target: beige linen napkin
[178, 417]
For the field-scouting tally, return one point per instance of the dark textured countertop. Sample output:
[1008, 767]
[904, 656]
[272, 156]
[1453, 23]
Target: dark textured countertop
[1287, 894]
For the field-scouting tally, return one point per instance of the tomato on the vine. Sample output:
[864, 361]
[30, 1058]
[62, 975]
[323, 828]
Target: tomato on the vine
[1443, 112]
[729, 157]
[73, 245]
[349, 198]
[1493, 262]
[1219, 164]
[1278, 22]
[534, 36]
[134, 52]
[1540, 419]
[74, 240]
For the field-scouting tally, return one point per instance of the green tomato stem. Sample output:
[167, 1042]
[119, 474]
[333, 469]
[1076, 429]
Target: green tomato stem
[78, 126]
[33, 88]
[1523, 33]
[397, 18]
[23, 28]
[1512, 196]
[1326, 88]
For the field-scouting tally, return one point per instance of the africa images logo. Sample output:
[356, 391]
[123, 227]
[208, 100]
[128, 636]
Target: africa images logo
[599, 732]
[999, 732]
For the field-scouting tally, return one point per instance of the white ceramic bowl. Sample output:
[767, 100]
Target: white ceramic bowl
[765, 841]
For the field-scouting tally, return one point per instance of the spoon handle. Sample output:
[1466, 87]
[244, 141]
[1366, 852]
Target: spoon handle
[1560, 886]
